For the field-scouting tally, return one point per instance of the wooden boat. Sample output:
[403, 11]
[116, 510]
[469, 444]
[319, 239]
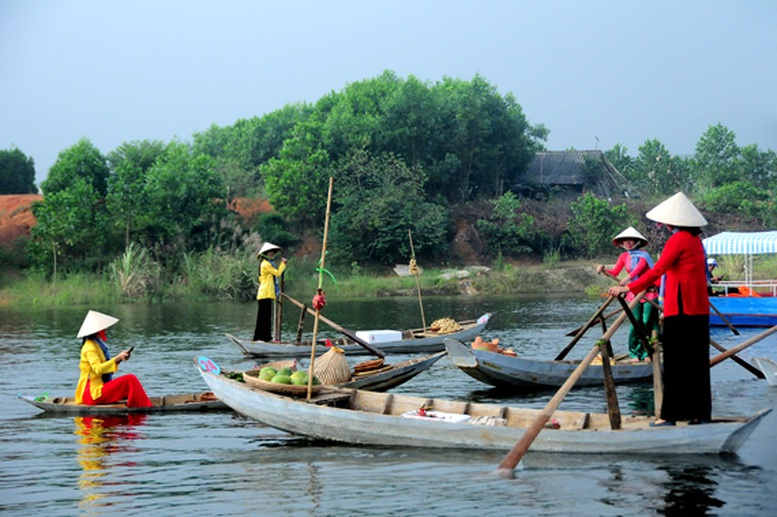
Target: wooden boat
[528, 374]
[419, 341]
[381, 379]
[206, 401]
[370, 418]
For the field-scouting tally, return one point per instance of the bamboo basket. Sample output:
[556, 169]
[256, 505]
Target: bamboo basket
[251, 377]
[332, 368]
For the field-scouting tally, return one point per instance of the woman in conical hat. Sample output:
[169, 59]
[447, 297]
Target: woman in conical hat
[96, 384]
[268, 289]
[635, 261]
[686, 332]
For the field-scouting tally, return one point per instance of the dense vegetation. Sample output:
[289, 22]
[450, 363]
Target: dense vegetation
[439, 160]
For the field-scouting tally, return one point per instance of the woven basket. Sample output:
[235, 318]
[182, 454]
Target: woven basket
[252, 379]
[332, 367]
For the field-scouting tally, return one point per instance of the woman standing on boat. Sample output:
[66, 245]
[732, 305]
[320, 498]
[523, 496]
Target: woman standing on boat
[686, 331]
[635, 261]
[96, 384]
[268, 290]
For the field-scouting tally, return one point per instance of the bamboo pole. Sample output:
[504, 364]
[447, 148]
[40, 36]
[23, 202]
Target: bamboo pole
[417, 279]
[320, 282]
[522, 445]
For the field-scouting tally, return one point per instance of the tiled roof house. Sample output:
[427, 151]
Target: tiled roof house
[577, 172]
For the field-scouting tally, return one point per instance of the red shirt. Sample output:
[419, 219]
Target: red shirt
[683, 261]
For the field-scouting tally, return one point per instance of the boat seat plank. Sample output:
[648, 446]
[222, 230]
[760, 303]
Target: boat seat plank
[387, 404]
[337, 399]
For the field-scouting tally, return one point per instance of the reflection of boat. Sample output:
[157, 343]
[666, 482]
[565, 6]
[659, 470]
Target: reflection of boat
[383, 378]
[748, 303]
[535, 374]
[419, 341]
[370, 418]
[167, 403]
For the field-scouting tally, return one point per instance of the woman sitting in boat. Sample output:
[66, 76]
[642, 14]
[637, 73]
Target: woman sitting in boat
[635, 261]
[96, 384]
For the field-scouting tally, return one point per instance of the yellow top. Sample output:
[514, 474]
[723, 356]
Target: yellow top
[92, 366]
[267, 275]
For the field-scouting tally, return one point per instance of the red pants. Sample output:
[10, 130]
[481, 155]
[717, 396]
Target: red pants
[125, 387]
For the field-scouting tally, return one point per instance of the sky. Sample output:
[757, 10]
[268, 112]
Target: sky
[596, 73]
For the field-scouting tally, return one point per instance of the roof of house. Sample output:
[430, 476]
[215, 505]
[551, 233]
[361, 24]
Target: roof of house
[565, 168]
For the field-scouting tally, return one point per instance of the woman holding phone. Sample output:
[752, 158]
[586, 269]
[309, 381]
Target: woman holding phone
[96, 384]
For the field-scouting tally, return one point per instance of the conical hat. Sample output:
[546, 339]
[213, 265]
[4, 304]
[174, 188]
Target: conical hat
[95, 322]
[677, 211]
[631, 233]
[267, 246]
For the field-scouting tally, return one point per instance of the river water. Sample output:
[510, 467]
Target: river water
[224, 464]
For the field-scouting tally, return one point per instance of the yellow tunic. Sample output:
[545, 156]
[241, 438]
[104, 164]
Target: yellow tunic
[92, 367]
[267, 275]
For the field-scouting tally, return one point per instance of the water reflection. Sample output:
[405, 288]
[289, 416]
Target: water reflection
[690, 490]
[100, 437]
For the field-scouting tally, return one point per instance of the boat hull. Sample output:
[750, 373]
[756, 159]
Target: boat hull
[430, 344]
[744, 311]
[527, 374]
[165, 404]
[362, 427]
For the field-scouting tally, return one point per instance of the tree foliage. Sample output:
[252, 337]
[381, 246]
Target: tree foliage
[17, 173]
[510, 231]
[82, 160]
[378, 199]
[594, 223]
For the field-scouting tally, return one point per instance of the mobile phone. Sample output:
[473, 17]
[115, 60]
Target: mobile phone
[131, 349]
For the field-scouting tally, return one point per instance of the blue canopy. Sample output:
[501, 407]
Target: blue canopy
[741, 243]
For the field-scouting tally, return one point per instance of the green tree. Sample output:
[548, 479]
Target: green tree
[186, 206]
[594, 223]
[716, 160]
[130, 163]
[619, 157]
[82, 160]
[68, 225]
[757, 167]
[510, 231]
[17, 173]
[376, 201]
[655, 171]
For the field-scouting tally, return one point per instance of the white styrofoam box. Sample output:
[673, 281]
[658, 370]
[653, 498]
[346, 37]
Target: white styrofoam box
[379, 336]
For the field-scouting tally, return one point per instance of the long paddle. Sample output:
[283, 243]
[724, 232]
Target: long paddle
[741, 362]
[320, 282]
[343, 331]
[522, 445]
[731, 351]
[581, 330]
[594, 322]
[725, 320]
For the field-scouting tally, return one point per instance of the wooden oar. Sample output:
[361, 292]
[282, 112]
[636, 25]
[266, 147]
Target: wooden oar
[343, 331]
[725, 320]
[320, 281]
[519, 449]
[594, 322]
[581, 330]
[658, 384]
[731, 351]
[741, 362]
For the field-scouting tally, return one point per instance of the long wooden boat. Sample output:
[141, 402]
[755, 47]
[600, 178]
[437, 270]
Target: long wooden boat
[385, 419]
[526, 374]
[418, 341]
[205, 401]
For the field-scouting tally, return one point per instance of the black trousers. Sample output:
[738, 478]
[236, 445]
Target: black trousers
[263, 330]
[687, 393]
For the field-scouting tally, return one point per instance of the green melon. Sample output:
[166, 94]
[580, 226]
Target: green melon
[281, 379]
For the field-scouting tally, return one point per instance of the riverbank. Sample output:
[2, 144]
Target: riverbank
[573, 277]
